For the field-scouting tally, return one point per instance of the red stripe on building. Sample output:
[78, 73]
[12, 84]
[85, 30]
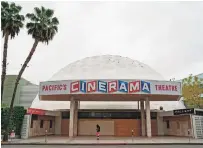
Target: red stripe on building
[35, 111]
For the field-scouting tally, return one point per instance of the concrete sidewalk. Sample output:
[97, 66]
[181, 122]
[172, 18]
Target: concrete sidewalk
[107, 140]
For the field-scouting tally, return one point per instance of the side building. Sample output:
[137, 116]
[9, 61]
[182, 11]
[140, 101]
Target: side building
[25, 94]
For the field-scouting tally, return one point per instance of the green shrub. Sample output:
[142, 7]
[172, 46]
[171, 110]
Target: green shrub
[16, 119]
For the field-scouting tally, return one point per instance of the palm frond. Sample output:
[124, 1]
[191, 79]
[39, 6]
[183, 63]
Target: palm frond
[11, 20]
[30, 25]
[37, 11]
[13, 5]
[20, 17]
[32, 17]
[43, 9]
[49, 13]
[55, 28]
[42, 25]
[4, 5]
[55, 21]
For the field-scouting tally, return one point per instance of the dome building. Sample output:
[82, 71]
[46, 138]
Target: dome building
[106, 67]
[118, 93]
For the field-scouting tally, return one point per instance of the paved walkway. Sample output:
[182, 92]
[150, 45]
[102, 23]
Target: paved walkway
[106, 140]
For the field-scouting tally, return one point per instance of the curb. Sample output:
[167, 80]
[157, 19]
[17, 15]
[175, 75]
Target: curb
[101, 143]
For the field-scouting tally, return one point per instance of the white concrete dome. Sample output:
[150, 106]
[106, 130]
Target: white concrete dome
[106, 67]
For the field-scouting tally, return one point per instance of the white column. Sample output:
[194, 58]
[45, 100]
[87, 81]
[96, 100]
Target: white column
[148, 118]
[76, 119]
[71, 120]
[78, 104]
[192, 129]
[160, 125]
[58, 125]
[138, 105]
[142, 117]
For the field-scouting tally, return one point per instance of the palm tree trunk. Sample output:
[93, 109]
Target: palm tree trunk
[4, 64]
[16, 84]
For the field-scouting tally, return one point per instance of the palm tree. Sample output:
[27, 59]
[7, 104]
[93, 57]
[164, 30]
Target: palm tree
[11, 23]
[43, 27]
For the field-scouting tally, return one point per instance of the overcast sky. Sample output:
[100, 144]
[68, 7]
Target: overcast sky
[167, 36]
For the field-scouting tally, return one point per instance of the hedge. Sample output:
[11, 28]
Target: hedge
[16, 119]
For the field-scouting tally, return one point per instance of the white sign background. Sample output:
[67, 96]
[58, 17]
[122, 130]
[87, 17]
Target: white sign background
[68, 85]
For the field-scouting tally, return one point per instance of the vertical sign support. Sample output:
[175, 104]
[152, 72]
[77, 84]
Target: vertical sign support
[45, 136]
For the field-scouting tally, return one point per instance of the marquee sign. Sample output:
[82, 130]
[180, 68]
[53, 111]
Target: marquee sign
[110, 87]
[183, 111]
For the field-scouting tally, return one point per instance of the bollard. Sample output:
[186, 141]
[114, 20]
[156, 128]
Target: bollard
[188, 134]
[132, 133]
[45, 136]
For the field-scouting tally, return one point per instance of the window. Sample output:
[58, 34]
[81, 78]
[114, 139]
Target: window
[168, 124]
[50, 125]
[65, 115]
[84, 115]
[198, 112]
[153, 115]
[34, 117]
[41, 123]
[31, 126]
[109, 115]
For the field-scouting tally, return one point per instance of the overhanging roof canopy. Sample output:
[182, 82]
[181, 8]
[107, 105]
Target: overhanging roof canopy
[110, 90]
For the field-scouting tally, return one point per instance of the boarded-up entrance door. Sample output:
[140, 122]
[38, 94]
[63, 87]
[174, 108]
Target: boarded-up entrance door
[123, 127]
[88, 127]
[65, 127]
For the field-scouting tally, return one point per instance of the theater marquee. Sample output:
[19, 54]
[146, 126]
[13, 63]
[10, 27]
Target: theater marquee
[110, 87]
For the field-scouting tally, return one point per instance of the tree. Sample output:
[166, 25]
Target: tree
[11, 23]
[192, 90]
[43, 27]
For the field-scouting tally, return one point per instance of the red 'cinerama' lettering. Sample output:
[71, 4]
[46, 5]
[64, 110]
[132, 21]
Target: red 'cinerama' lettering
[54, 87]
[166, 87]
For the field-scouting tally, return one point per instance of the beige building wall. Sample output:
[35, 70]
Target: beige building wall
[35, 130]
[64, 127]
[113, 127]
[178, 125]
[88, 127]
[124, 127]
[58, 125]
[154, 127]
[160, 124]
